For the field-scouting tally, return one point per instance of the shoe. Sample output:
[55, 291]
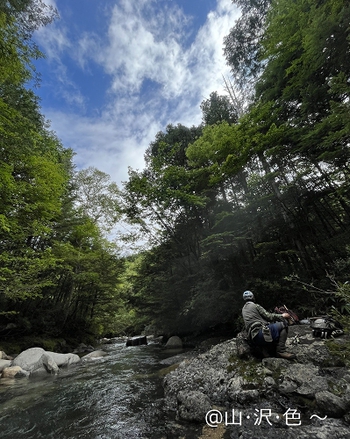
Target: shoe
[286, 355]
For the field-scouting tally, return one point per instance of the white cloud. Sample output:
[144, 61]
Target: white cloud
[51, 3]
[54, 40]
[102, 143]
[144, 43]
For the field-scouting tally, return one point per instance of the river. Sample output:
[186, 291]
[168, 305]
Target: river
[117, 397]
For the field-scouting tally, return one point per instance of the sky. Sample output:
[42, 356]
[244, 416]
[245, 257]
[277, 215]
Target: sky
[116, 72]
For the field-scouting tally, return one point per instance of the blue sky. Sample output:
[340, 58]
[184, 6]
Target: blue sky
[118, 71]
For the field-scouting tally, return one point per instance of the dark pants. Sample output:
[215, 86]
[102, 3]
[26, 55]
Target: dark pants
[279, 332]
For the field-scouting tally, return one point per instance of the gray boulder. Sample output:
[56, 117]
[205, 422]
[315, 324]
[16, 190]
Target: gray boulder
[174, 342]
[96, 355]
[4, 363]
[3, 356]
[137, 340]
[330, 404]
[302, 379]
[64, 360]
[312, 384]
[14, 372]
[193, 405]
[36, 360]
[209, 373]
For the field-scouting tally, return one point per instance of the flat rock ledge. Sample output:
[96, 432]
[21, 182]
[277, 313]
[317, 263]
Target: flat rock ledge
[307, 398]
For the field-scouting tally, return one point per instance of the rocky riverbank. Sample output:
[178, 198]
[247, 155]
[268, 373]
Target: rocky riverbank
[265, 398]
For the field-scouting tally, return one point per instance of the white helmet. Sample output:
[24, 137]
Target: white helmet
[248, 295]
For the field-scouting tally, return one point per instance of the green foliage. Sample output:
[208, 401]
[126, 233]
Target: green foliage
[218, 109]
[58, 275]
[242, 46]
[236, 204]
[247, 205]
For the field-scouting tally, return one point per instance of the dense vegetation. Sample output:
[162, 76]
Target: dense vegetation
[57, 271]
[261, 202]
[256, 197]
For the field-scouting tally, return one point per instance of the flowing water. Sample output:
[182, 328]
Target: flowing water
[117, 397]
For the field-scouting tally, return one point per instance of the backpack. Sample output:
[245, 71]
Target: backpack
[293, 319]
[325, 327]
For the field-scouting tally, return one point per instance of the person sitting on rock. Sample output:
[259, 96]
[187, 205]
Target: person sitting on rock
[261, 331]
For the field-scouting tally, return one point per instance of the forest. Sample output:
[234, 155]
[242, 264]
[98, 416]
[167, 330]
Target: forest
[256, 197]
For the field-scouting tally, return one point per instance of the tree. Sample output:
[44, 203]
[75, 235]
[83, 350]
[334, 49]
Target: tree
[98, 197]
[242, 46]
[218, 109]
[161, 194]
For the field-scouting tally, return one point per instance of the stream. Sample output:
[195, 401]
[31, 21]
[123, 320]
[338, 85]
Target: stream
[117, 397]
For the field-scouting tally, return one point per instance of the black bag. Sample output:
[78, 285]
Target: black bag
[325, 327]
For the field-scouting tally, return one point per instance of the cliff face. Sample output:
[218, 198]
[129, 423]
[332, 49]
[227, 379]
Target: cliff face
[260, 398]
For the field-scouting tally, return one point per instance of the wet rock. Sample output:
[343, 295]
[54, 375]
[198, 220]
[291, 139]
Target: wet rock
[174, 342]
[192, 405]
[4, 363]
[3, 356]
[303, 379]
[14, 372]
[208, 372]
[36, 360]
[136, 341]
[330, 404]
[94, 355]
[311, 384]
[64, 360]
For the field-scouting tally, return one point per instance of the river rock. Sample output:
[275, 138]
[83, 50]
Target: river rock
[330, 404]
[36, 360]
[193, 405]
[64, 360]
[137, 340]
[209, 373]
[106, 340]
[303, 379]
[14, 372]
[312, 384]
[4, 363]
[175, 359]
[174, 342]
[3, 356]
[94, 355]
[83, 348]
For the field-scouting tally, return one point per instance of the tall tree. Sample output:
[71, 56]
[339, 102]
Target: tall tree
[218, 109]
[98, 197]
[242, 46]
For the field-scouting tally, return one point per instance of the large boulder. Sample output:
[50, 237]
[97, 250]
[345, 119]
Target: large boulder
[311, 386]
[4, 363]
[137, 340]
[330, 404]
[36, 360]
[63, 360]
[302, 379]
[193, 405]
[210, 373]
[174, 342]
[14, 372]
[3, 356]
[96, 355]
